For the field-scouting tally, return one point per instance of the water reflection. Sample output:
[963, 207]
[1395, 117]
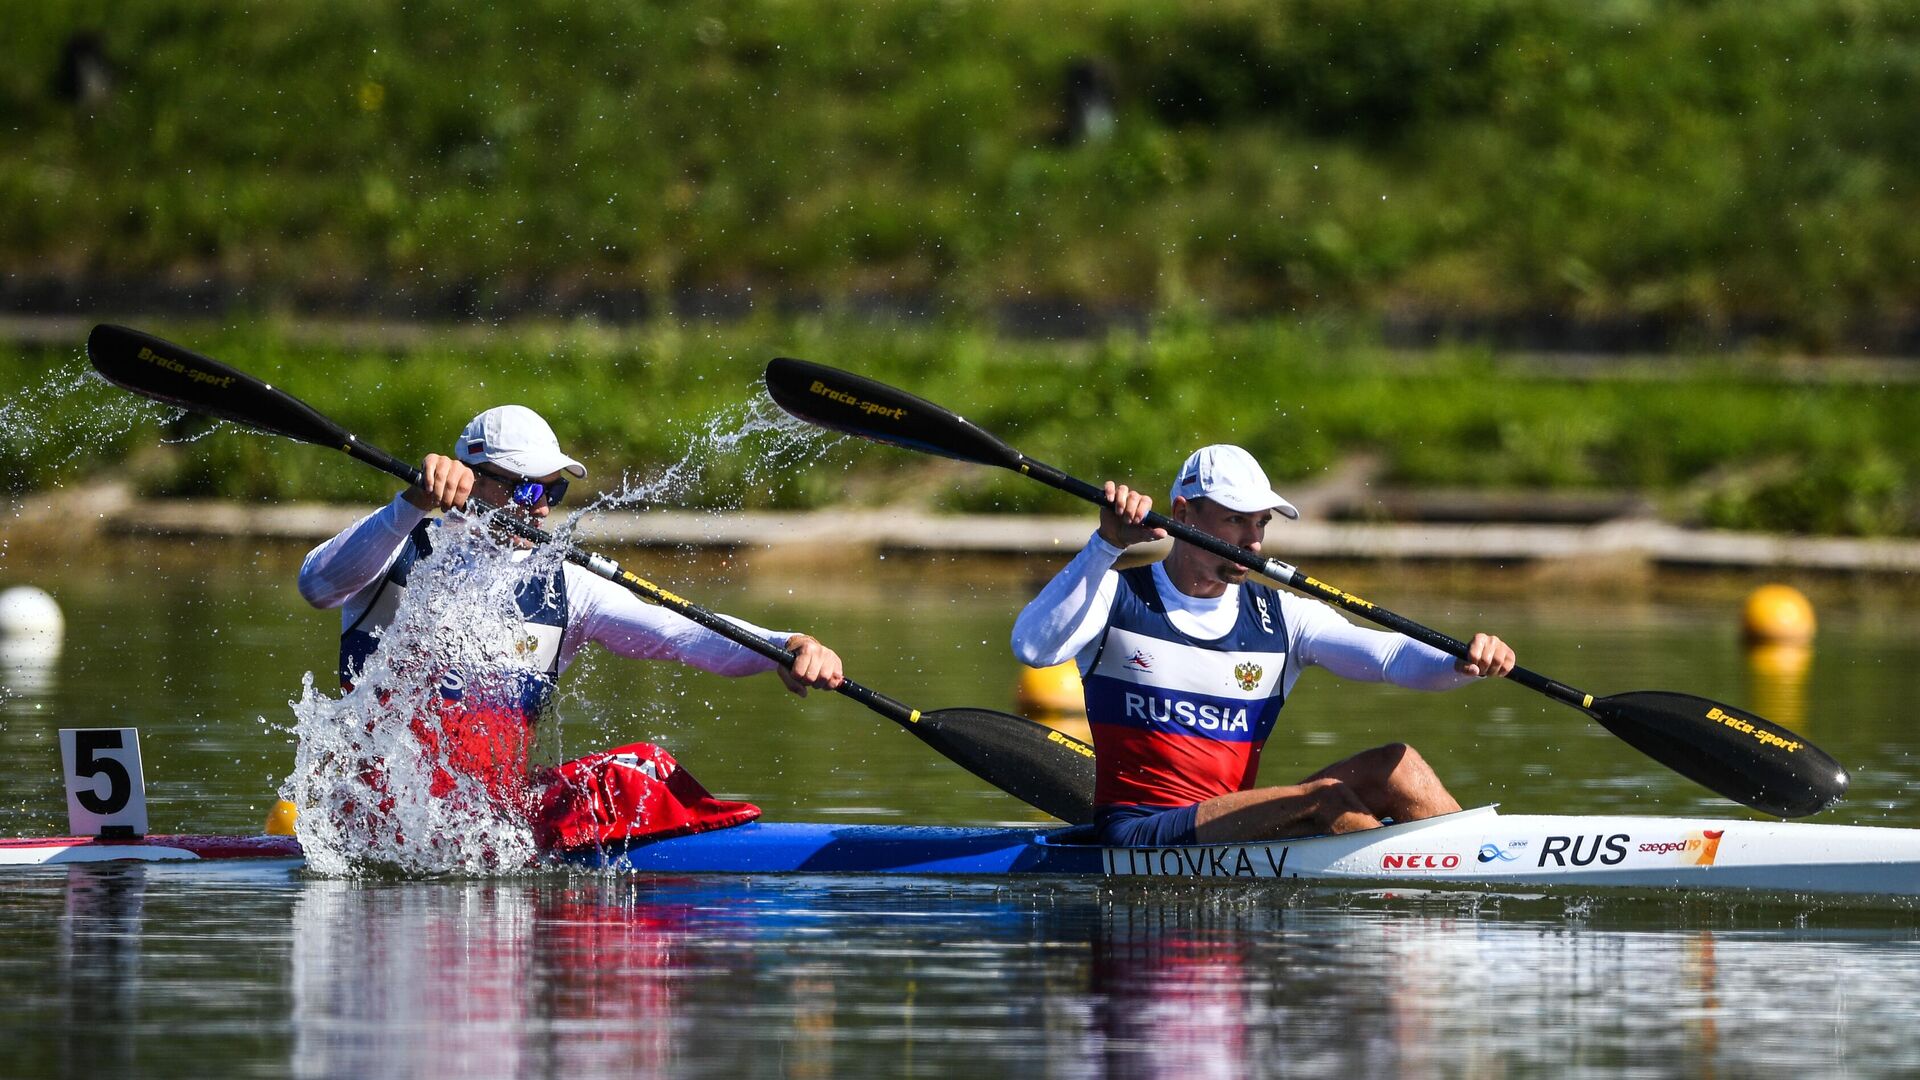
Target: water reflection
[100, 970]
[490, 978]
[29, 672]
[638, 977]
[1777, 679]
[152, 969]
[1170, 996]
[1312, 990]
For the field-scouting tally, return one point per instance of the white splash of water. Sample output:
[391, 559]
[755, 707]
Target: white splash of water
[364, 777]
[773, 445]
[772, 441]
[72, 410]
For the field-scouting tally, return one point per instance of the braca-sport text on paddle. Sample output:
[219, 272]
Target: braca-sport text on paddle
[1027, 760]
[1733, 752]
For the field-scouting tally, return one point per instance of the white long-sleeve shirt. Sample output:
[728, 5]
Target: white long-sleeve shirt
[346, 572]
[1068, 617]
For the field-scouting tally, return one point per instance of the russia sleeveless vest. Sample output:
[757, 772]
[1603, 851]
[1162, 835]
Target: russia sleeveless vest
[1178, 720]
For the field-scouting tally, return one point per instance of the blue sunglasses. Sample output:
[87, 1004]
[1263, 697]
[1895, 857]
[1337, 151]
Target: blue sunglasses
[531, 493]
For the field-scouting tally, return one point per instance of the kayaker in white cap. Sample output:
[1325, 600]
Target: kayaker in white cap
[1187, 664]
[508, 457]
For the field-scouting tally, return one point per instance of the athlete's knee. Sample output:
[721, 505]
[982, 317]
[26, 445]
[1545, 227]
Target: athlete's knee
[1398, 759]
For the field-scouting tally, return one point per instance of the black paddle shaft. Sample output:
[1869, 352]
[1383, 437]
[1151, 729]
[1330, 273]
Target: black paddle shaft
[1736, 753]
[1028, 760]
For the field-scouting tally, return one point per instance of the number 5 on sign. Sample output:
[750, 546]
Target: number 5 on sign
[106, 793]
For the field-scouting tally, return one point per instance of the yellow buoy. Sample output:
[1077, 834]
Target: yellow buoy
[1778, 614]
[1055, 690]
[280, 820]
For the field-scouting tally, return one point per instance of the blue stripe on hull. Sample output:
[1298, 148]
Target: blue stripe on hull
[773, 848]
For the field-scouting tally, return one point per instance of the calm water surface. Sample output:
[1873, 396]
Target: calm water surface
[161, 971]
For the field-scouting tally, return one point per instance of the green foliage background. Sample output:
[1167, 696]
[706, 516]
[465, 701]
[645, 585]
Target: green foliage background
[1738, 443]
[1709, 160]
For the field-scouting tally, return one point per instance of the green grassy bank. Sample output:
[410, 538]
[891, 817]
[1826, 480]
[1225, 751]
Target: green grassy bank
[1718, 442]
[1722, 161]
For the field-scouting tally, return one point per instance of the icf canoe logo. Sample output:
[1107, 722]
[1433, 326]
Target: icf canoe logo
[1247, 675]
[1496, 853]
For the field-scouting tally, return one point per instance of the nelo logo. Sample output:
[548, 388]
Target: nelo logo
[1418, 860]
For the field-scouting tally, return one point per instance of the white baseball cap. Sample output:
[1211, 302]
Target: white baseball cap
[1229, 476]
[514, 438]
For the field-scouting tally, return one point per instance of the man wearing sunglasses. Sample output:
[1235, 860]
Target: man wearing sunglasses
[509, 458]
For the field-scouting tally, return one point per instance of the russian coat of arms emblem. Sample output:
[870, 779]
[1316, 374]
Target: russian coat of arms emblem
[1247, 675]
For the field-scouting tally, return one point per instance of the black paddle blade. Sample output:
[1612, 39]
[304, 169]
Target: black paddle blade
[1747, 758]
[156, 368]
[1030, 761]
[159, 369]
[857, 405]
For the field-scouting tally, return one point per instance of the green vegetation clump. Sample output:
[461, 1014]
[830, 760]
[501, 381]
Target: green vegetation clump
[679, 412]
[1747, 165]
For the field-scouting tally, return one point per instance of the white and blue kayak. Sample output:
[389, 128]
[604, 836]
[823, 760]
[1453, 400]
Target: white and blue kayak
[1478, 847]
[1473, 848]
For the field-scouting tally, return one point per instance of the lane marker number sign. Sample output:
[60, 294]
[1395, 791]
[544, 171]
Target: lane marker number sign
[106, 791]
